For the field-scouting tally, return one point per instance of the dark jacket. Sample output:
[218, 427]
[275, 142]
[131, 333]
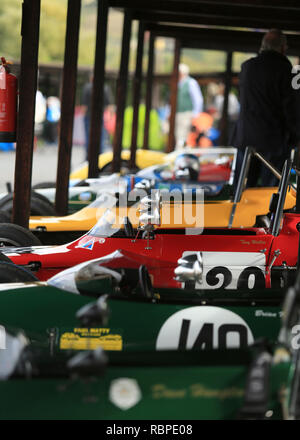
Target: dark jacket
[268, 116]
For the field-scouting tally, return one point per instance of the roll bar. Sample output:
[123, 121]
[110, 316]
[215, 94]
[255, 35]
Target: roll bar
[242, 182]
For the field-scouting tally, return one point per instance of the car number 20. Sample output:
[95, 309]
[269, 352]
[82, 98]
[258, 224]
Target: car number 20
[230, 270]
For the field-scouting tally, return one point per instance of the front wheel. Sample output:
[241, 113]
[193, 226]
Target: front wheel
[11, 273]
[125, 169]
[15, 235]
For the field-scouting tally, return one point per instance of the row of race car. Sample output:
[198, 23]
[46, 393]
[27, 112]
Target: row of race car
[138, 352]
[168, 321]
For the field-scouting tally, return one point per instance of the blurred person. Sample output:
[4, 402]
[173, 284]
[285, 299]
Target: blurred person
[268, 119]
[40, 112]
[86, 107]
[39, 116]
[52, 119]
[189, 105]
[233, 108]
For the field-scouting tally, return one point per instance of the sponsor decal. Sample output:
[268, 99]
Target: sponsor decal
[202, 328]
[88, 245]
[124, 393]
[266, 314]
[90, 339]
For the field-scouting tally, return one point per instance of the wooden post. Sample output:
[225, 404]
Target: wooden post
[121, 92]
[137, 82]
[67, 107]
[97, 98]
[149, 84]
[25, 128]
[173, 101]
[224, 119]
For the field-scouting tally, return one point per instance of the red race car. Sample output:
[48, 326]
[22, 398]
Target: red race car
[232, 258]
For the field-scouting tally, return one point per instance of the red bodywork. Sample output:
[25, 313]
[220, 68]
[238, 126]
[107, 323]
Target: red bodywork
[211, 172]
[166, 248]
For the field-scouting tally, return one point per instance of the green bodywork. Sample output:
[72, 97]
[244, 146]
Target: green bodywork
[201, 383]
[78, 201]
[133, 320]
[182, 386]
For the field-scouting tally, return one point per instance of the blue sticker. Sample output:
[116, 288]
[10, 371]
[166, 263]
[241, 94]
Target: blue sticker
[88, 245]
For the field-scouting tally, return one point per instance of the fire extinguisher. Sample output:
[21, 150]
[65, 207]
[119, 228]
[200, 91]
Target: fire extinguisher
[8, 103]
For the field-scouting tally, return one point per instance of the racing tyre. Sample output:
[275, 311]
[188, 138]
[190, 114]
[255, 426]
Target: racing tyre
[11, 273]
[15, 235]
[4, 217]
[39, 205]
[44, 199]
[125, 169]
[43, 185]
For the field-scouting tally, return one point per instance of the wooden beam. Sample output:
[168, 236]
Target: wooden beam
[262, 23]
[149, 83]
[224, 9]
[121, 92]
[173, 101]
[67, 107]
[25, 128]
[137, 82]
[97, 98]
[218, 39]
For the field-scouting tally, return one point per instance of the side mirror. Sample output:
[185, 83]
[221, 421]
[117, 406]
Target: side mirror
[89, 363]
[190, 268]
[145, 184]
[11, 350]
[150, 211]
[95, 314]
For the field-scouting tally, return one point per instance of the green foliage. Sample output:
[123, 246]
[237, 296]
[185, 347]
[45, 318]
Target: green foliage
[156, 138]
[10, 28]
[52, 39]
[52, 30]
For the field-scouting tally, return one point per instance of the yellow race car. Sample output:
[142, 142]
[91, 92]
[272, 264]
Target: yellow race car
[144, 159]
[242, 210]
[254, 204]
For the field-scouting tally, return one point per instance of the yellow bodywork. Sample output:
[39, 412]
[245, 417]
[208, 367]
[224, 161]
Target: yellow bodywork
[254, 202]
[144, 159]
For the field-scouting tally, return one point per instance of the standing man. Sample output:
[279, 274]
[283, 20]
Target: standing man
[189, 104]
[268, 110]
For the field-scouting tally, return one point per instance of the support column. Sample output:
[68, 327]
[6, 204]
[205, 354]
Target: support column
[122, 91]
[224, 120]
[67, 107]
[98, 89]
[149, 84]
[173, 101]
[137, 82]
[25, 129]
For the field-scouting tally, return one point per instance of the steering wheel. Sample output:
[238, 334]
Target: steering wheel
[145, 282]
[128, 228]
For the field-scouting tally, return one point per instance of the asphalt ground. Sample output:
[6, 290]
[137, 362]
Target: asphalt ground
[44, 164]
